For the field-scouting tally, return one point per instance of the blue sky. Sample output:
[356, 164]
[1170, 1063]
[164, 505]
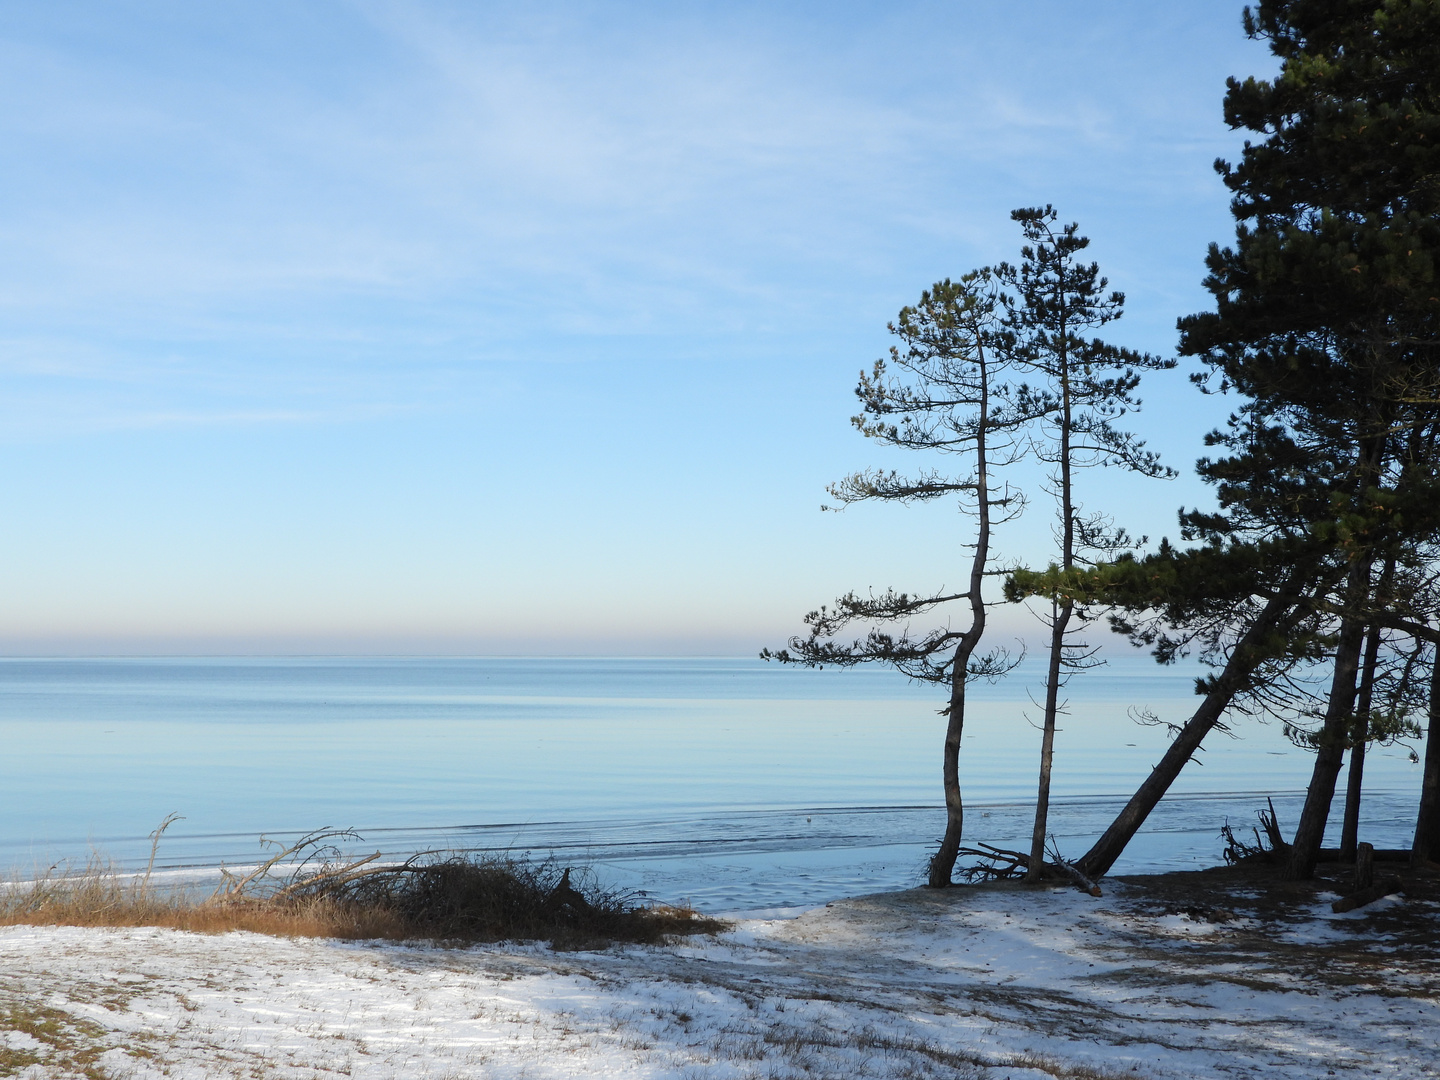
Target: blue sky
[430, 327]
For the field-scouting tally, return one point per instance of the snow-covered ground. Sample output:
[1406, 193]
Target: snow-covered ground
[993, 983]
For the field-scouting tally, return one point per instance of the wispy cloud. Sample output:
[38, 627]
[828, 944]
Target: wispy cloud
[368, 313]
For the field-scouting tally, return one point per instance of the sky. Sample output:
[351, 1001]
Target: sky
[533, 328]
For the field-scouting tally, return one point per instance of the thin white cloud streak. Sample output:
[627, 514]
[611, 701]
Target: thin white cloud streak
[541, 156]
[513, 323]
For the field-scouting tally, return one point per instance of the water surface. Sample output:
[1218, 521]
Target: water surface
[728, 781]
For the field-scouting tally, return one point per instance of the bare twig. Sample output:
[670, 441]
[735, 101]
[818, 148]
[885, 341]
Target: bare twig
[170, 819]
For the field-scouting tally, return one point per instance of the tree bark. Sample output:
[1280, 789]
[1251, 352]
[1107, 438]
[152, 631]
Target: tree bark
[1047, 741]
[1350, 830]
[942, 864]
[1248, 652]
[1427, 823]
[1310, 832]
[1060, 613]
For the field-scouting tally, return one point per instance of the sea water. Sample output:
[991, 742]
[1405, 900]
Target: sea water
[729, 782]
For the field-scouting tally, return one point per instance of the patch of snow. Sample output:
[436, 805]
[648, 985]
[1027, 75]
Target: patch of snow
[988, 984]
[767, 913]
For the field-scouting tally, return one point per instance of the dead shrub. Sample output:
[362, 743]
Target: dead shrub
[447, 897]
[465, 898]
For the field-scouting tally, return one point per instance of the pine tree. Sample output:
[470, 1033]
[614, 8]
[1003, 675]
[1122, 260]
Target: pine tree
[1325, 325]
[943, 391]
[1085, 386]
[1327, 305]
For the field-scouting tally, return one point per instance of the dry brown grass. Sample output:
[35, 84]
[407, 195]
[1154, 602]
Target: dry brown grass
[69, 1042]
[98, 894]
[456, 898]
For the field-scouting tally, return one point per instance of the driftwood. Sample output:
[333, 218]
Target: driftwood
[318, 844]
[1382, 855]
[1238, 851]
[1271, 825]
[1073, 872]
[1001, 865]
[1383, 887]
[1006, 865]
[337, 876]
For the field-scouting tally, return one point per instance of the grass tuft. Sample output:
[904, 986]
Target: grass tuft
[458, 898]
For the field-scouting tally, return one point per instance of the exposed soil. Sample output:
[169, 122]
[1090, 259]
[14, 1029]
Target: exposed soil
[1386, 947]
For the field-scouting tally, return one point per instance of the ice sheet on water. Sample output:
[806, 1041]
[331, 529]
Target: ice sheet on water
[729, 782]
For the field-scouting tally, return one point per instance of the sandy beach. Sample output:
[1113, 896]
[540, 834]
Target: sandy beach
[1155, 979]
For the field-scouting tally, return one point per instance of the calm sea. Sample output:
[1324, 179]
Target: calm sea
[730, 782]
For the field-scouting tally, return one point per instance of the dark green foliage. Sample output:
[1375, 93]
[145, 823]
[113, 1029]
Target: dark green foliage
[1324, 328]
[1326, 318]
[1334, 265]
[1201, 600]
[1327, 306]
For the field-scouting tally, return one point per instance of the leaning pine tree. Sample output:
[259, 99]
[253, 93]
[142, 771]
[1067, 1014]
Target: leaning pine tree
[1326, 314]
[943, 391]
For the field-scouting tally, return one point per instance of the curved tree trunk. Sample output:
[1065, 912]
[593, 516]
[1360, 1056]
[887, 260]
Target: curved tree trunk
[1247, 653]
[942, 864]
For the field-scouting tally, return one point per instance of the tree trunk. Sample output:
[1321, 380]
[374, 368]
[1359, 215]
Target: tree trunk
[1427, 823]
[1060, 613]
[1350, 830]
[942, 865]
[1047, 740]
[1246, 655]
[1310, 833]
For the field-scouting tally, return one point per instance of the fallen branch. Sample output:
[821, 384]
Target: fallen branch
[1015, 863]
[337, 876]
[1073, 872]
[1007, 865]
[1383, 887]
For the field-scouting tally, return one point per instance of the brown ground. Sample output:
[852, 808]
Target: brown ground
[1257, 909]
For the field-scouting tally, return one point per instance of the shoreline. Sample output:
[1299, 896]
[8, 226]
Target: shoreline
[787, 857]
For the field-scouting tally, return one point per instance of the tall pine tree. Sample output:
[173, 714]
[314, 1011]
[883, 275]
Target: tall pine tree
[1084, 386]
[1325, 325]
[944, 391]
[1327, 311]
